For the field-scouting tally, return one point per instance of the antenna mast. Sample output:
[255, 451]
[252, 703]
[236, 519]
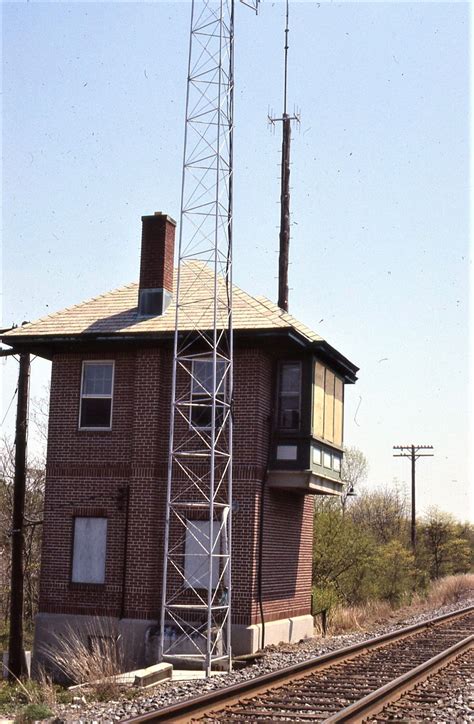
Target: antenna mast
[196, 591]
[285, 181]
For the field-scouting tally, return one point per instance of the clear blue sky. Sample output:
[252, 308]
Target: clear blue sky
[93, 114]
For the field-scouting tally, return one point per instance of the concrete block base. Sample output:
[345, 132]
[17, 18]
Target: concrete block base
[138, 639]
[153, 674]
[248, 639]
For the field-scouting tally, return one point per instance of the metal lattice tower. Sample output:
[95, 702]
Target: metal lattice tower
[196, 602]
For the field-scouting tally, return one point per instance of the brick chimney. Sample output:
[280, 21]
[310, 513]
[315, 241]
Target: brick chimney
[156, 264]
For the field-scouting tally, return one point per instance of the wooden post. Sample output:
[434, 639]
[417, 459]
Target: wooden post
[413, 504]
[16, 661]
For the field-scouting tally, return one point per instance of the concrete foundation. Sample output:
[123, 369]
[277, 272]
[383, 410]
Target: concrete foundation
[138, 639]
[131, 636]
[248, 639]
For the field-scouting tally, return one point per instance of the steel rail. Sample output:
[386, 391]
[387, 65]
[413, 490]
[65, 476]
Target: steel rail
[185, 711]
[374, 702]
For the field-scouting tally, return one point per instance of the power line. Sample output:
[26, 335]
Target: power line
[8, 408]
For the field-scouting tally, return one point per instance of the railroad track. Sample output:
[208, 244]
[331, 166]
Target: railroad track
[348, 685]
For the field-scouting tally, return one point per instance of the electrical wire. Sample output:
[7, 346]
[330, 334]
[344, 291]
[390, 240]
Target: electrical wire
[8, 408]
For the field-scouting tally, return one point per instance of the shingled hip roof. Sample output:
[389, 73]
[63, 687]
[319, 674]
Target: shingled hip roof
[115, 314]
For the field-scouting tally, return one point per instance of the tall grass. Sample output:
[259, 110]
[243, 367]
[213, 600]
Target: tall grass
[444, 591]
[343, 619]
[91, 656]
[450, 589]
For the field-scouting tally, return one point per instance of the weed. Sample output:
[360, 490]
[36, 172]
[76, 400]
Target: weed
[450, 589]
[33, 712]
[343, 619]
[92, 657]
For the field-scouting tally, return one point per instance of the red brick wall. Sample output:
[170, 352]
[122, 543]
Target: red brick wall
[287, 556]
[87, 472]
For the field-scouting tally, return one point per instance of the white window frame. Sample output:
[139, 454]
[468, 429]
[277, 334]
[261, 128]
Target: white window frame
[196, 393]
[317, 456]
[327, 460]
[110, 397]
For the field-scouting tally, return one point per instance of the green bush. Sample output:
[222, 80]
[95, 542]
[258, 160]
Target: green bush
[33, 712]
[343, 556]
[361, 551]
[324, 599]
[394, 572]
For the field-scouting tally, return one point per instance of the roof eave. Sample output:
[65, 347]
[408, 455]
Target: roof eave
[43, 345]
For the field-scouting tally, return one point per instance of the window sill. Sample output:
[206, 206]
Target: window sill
[327, 443]
[78, 586]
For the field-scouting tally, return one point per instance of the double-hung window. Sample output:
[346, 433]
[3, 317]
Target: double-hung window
[201, 393]
[96, 395]
[289, 396]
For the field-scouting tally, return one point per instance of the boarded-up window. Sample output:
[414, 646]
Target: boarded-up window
[328, 392]
[338, 410]
[318, 400]
[89, 546]
[329, 406]
[196, 560]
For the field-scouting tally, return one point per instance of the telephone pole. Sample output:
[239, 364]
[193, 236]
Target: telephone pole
[15, 645]
[413, 452]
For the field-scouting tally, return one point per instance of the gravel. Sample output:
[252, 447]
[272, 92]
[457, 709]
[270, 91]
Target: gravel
[276, 657]
[446, 697]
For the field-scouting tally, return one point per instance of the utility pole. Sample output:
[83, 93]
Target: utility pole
[284, 258]
[413, 452]
[15, 646]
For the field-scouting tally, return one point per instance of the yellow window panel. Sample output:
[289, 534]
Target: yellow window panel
[318, 399]
[338, 410]
[329, 406]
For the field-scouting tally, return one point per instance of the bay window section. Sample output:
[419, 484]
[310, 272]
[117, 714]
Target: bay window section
[289, 396]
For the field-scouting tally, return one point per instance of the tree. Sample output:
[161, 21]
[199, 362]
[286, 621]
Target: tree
[342, 556]
[444, 548]
[383, 512]
[395, 572]
[34, 503]
[354, 471]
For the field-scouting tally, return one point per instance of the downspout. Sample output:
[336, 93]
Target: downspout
[260, 556]
[260, 534]
[125, 504]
